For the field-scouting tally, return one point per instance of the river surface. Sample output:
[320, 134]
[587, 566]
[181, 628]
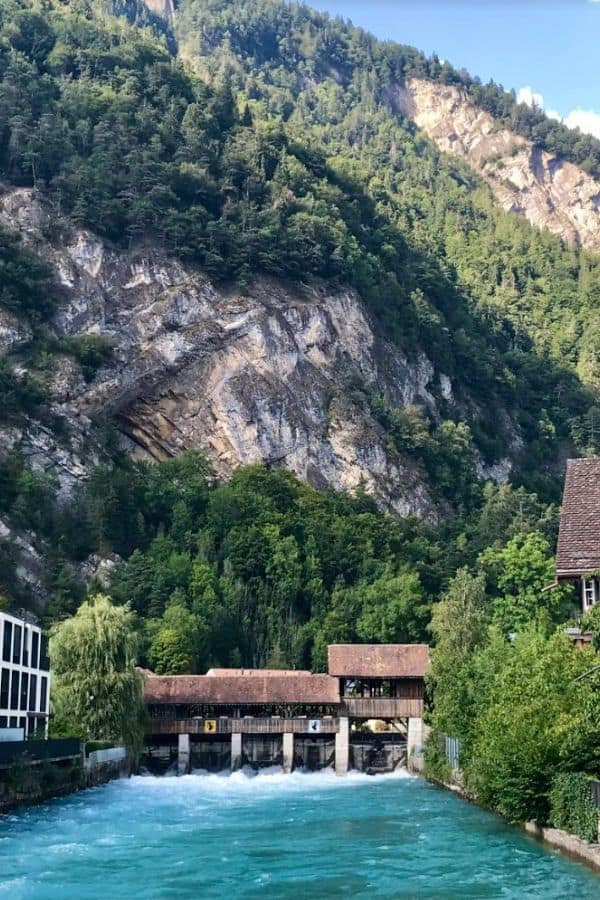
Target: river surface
[275, 836]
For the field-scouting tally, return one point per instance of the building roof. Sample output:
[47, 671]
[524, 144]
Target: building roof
[578, 551]
[378, 660]
[241, 690]
[253, 673]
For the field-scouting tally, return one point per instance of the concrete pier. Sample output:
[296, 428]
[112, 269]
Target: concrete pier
[236, 751]
[183, 754]
[342, 747]
[288, 752]
[415, 744]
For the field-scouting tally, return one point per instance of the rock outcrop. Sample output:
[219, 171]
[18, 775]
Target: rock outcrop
[551, 193]
[251, 376]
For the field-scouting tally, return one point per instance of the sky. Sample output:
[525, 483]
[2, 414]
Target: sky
[548, 49]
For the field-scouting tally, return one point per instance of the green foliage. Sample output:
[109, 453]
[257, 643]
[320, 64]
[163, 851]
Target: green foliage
[521, 575]
[572, 807]
[19, 394]
[531, 719]
[25, 283]
[92, 351]
[96, 690]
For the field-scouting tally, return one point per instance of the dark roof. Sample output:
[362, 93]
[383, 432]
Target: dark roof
[237, 690]
[378, 660]
[578, 551]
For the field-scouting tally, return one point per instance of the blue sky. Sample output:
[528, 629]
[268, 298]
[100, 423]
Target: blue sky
[551, 47]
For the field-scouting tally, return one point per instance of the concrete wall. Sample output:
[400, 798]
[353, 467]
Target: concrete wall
[418, 733]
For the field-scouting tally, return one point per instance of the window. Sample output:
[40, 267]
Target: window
[17, 645]
[590, 592]
[44, 661]
[3, 721]
[26, 639]
[6, 643]
[24, 690]
[22, 723]
[14, 690]
[43, 694]
[13, 722]
[4, 679]
[35, 650]
[33, 693]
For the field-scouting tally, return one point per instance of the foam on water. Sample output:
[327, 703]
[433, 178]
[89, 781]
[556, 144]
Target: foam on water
[270, 835]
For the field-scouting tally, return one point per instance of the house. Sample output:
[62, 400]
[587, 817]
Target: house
[578, 551]
[24, 677]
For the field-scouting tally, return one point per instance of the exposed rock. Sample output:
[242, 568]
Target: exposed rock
[98, 567]
[550, 192]
[14, 333]
[247, 377]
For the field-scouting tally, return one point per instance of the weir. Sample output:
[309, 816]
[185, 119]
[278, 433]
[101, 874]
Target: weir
[365, 714]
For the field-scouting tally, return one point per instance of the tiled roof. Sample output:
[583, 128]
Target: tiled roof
[378, 660]
[578, 551]
[253, 673]
[238, 690]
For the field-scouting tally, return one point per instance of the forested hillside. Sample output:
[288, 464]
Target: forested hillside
[254, 139]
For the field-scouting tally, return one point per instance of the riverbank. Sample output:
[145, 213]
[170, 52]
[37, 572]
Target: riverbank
[26, 784]
[572, 846]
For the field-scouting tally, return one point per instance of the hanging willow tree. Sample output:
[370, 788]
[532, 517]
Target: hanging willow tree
[96, 690]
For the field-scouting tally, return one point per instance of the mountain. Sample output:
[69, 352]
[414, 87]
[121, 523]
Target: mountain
[236, 228]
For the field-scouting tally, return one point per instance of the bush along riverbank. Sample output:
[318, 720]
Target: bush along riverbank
[521, 707]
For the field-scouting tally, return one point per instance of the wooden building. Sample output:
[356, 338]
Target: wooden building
[578, 550]
[292, 717]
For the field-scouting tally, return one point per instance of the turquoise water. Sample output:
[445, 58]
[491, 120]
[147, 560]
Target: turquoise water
[275, 836]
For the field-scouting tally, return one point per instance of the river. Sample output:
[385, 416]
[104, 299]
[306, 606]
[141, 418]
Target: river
[290, 837]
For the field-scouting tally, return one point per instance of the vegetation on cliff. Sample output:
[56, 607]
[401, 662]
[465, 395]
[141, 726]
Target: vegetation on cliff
[271, 144]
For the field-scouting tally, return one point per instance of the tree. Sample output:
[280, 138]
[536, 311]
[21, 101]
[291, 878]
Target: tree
[458, 626]
[96, 690]
[521, 575]
[174, 647]
[539, 719]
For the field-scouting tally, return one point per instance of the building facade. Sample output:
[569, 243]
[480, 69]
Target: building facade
[24, 676]
[578, 550]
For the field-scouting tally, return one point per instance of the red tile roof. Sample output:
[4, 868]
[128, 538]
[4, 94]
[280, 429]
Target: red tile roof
[378, 660]
[237, 690]
[578, 551]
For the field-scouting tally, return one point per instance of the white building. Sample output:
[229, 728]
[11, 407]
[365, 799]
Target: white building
[24, 675]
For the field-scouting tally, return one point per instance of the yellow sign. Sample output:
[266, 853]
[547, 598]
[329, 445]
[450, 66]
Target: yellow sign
[210, 726]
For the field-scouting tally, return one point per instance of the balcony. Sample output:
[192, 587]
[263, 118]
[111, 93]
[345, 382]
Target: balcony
[382, 708]
[247, 725]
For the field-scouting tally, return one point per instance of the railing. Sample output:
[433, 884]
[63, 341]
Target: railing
[595, 789]
[382, 708]
[243, 726]
[39, 751]
[452, 751]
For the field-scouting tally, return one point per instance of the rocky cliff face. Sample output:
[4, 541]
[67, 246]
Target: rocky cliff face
[247, 377]
[551, 193]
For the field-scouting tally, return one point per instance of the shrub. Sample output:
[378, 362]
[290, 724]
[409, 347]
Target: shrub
[572, 806]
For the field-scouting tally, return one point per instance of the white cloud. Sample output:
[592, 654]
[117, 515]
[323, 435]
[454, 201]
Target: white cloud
[586, 120]
[528, 95]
